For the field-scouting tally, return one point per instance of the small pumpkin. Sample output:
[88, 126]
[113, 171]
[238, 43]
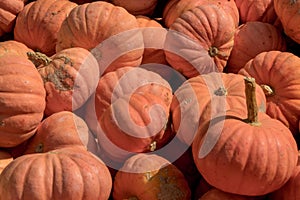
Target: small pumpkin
[252, 38]
[200, 40]
[8, 14]
[5, 159]
[278, 73]
[70, 77]
[288, 13]
[252, 156]
[66, 173]
[38, 23]
[14, 47]
[96, 27]
[22, 100]
[153, 177]
[144, 7]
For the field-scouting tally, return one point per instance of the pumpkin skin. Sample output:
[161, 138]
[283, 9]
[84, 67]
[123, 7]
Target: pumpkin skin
[145, 7]
[8, 13]
[154, 178]
[262, 36]
[70, 77]
[80, 30]
[67, 173]
[287, 11]
[5, 159]
[14, 47]
[60, 130]
[38, 23]
[19, 79]
[201, 98]
[174, 8]
[279, 75]
[251, 157]
[206, 40]
[290, 191]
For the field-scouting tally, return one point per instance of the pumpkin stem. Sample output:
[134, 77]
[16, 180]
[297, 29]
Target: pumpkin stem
[252, 109]
[38, 58]
[213, 51]
[267, 90]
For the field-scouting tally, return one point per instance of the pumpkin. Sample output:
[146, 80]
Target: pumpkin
[145, 7]
[70, 77]
[215, 194]
[154, 38]
[278, 73]
[38, 23]
[251, 39]
[14, 47]
[5, 159]
[262, 11]
[96, 27]
[149, 176]
[200, 40]
[22, 100]
[59, 130]
[8, 13]
[290, 191]
[252, 156]
[66, 173]
[288, 14]
[174, 8]
[201, 98]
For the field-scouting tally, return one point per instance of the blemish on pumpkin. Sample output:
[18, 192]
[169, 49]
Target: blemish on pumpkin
[2, 123]
[39, 148]
[58, 78]
[153, 146]
[221, 91]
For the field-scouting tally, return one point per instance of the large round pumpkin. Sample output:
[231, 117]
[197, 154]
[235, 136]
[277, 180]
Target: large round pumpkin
[149, 176]
[22, 100]
[99, 27]
[70, 77]
[251, 156]
[251, 39]
[8, 13]
[288, 13]
[38, 23]
[278, 73]
[204, 97]
[67, 173]
[200, 40]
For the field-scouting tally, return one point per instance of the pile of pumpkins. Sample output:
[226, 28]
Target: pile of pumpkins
[149, 99]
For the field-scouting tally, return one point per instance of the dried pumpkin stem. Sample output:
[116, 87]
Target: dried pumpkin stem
[267, 90]
[252, 109]
[38, 58]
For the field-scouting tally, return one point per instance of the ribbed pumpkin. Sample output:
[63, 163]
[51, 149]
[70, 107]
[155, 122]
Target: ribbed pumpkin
[14, 47]
[22, 100]
[67, 173]
[61, 129]
[70, 77]
[290, 191]
[99, 27]
[149, 176]
[288, 13]
[251, 39]
[200, 40]
[278, 73]
[252, 156]
[204, 97]
[174, 8]
[8, 13]
[252, 10]
[137, 7]
[5, 159]
[38, 23]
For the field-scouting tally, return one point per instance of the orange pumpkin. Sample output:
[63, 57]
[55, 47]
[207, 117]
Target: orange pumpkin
[22, 100]
[14, 47]
[149, 176]
[70, 77]
[200, 40]
[262, 36]
[8, 13]
[278, 73]
[252, 156]
[96, 27]
[66, 173]
[38, 23]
